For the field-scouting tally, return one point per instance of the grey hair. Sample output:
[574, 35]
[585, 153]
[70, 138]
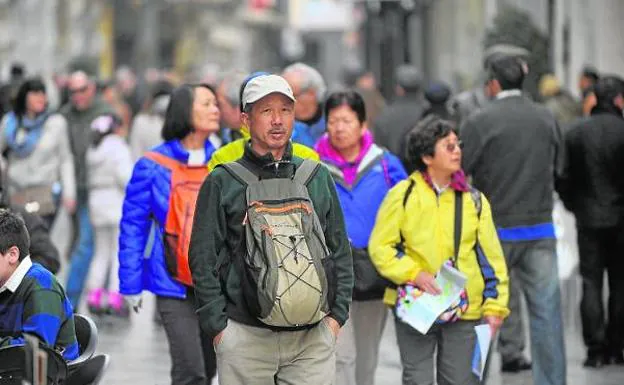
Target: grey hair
[232, 83]
[311, 78]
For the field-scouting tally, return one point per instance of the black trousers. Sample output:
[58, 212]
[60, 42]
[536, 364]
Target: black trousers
[602, 249]
[193, 359]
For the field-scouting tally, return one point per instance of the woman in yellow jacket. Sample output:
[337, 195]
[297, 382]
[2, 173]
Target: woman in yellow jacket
[414, 237]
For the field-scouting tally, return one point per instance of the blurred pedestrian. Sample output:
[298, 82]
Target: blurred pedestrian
[8, 91]
[512, 149]
[432, 220]
[162, 191]
[40, 164]
[401, 115]
[109, 164]
[234, 151]
[293, 212]
[228, 93]
[365, 83]
[468, 102]
[145, 133]
[127, 84]
[111, 96]
[363, 173]
[592, 187]
[437, 95]
[84, 106]
[309, 89]
[586, 80]
[559, 101]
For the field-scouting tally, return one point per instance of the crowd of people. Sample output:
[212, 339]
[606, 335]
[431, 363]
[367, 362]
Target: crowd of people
[277, 223]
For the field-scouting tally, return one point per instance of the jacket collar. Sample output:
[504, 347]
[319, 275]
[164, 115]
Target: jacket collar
[181, 154]
[18, 276]
[266, 166]
[458, 182]
[327, 152]
[508, 94]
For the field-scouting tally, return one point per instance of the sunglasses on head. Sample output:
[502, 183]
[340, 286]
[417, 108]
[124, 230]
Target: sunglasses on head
[79, 90]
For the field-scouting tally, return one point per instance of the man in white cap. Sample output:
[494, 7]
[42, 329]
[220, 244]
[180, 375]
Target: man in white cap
[269, 254]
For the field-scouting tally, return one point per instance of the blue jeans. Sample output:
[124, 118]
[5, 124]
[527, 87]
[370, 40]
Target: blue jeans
[534, 265]
[81, 256]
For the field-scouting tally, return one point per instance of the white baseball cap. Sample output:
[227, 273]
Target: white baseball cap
[263, 85]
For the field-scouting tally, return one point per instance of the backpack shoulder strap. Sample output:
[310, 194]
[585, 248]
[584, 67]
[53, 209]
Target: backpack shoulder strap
[408, 192]
[306, 171]
[240, 172]
[163, 160]
[458, 224]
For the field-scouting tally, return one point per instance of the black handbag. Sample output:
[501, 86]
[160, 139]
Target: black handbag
[368, 285]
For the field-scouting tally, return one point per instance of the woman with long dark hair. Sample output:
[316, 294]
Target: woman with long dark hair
[165, 181]
[36, 144]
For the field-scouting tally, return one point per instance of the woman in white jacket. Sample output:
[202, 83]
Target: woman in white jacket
[109, 162]
[40, 165]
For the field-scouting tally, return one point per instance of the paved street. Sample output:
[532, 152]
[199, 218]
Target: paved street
[139, 357]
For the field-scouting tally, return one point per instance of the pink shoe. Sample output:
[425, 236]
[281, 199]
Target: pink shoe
[94, 300]
[117, 304]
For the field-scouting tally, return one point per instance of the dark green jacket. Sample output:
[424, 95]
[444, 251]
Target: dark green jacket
[218, 233]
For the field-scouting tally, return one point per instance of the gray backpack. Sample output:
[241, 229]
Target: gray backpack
[285, 270]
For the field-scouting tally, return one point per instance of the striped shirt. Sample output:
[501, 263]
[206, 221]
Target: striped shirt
[33, 302]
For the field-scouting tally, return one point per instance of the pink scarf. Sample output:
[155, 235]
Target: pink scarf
[330, 155]
[458, 181]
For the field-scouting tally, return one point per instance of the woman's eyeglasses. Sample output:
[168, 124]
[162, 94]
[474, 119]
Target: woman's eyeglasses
[450, 147]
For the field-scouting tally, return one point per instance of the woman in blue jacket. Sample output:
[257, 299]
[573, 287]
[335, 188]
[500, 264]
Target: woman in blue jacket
[363, 173]
[191, 121]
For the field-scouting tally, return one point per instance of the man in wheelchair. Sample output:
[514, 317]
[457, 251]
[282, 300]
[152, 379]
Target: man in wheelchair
[31, 299]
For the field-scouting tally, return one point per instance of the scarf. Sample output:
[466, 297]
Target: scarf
[458, 181]
[33, 130]
[330, 155]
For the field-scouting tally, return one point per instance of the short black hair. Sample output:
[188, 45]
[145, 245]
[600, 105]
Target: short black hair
[14, 233]
[178, 118]
[591, 73]
[30, 85]
[508, 71]
[422, 139]
[606, 90]
[350, 98]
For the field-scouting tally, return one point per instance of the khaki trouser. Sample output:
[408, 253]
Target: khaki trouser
[250, 355]
[358, 343]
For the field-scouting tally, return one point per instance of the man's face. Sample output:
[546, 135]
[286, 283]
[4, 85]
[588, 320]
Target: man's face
[230, 115]
[8, 263]
[307, 105]
[270, 123]
[82, 91]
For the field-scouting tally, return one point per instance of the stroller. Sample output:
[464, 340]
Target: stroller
[36, 364]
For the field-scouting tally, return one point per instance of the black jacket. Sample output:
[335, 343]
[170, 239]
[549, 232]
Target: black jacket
[396, 121]
[592, 185]
[512, 148]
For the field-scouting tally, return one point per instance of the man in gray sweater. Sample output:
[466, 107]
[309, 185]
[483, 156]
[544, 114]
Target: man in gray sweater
[84, 106]
[512, 149]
